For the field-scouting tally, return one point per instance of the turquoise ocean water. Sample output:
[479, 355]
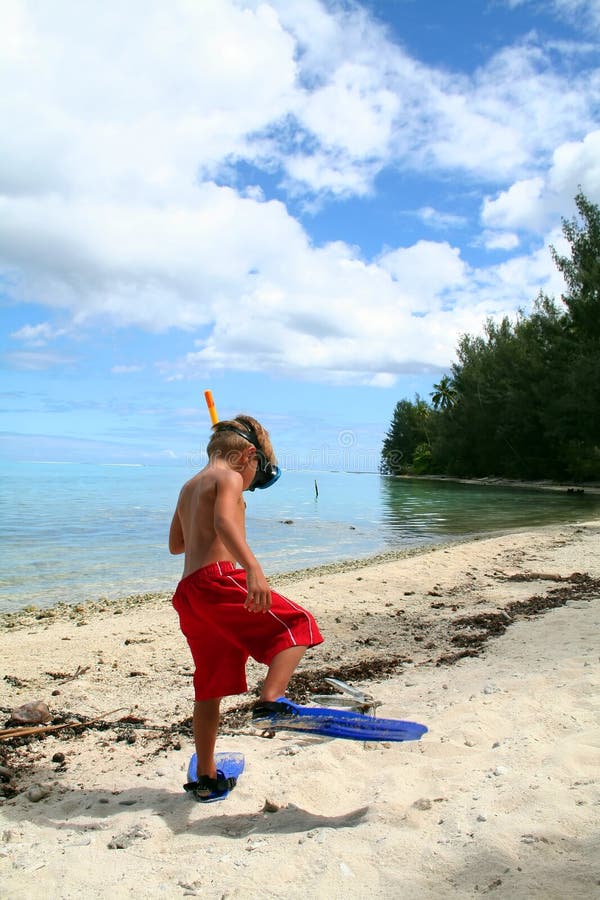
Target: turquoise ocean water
[73, 532]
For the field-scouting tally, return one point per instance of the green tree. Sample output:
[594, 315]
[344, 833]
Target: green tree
[523, 398]
[579, 410]
[582, 270]
[409, 429]
[443, 395]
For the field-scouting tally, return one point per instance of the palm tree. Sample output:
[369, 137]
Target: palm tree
[443, 395]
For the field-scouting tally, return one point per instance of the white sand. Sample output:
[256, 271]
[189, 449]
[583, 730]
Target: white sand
[501, 796]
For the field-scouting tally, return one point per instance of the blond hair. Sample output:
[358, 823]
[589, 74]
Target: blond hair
[224, 440]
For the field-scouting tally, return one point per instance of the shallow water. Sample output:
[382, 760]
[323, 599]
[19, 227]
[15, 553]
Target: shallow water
[76, 532]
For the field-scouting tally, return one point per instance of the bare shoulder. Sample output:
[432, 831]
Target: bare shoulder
[198, 484]
[227, 477]
[210, 481]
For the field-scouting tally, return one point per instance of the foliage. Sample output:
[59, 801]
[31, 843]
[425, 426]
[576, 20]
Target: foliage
[408, 431]
[523, 399]
[444, 394]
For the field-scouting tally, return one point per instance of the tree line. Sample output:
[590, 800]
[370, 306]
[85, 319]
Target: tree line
[523, 400]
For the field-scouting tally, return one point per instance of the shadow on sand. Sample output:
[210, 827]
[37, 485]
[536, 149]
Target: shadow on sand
[91, 810]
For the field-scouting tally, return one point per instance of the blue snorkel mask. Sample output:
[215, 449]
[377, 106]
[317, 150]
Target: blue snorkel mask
[266, 473]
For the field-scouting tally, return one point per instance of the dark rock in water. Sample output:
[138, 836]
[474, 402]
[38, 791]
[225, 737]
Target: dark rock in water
[34, 713]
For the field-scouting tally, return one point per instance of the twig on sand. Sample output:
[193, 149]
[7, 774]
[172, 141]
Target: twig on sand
[80, 670]
[28, 730]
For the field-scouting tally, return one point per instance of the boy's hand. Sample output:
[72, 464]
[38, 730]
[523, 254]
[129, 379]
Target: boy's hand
[258, 599]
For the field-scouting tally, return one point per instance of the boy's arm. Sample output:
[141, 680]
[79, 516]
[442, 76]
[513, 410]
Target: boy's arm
[228, 525]
[176, 540]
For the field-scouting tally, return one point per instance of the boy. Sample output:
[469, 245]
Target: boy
[226, 611]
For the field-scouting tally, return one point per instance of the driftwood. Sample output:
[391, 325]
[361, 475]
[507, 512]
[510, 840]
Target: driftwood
[28, 730]
[574, 577]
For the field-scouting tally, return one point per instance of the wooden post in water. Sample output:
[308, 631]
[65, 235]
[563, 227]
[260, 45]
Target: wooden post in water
[316, 490]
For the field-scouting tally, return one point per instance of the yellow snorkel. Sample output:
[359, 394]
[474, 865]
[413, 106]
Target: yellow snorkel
[212, 409]
[267, 473]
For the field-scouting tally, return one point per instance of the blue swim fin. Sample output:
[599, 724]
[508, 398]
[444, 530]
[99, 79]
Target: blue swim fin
[284, 715]
[229, 768]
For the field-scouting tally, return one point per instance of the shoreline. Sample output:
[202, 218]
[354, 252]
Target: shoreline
[97, 574]
[575, 487]
[491, 643]
[63, 609]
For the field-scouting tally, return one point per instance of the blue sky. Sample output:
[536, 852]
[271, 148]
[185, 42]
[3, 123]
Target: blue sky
[299, 204]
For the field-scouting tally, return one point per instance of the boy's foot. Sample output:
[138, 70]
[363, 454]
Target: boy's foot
[264, 708]
[206, 788]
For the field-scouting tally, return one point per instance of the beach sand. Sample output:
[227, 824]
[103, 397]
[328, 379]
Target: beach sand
[492, 643]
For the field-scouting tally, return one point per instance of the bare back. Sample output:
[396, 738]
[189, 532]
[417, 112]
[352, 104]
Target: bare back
[207, 502]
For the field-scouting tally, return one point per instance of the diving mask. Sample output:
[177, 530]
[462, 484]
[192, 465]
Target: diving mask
[266, 472]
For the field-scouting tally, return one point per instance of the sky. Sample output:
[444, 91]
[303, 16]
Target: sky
[299, 204]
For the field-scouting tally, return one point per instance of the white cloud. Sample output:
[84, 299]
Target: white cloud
[513, 284]
[425, 273]
[438, 219]
[37, 335]
[353, 110]
[109, 214]
[180, 96]
[509, 117]
[505, 240]
[519, 204]
[534, 203]
[340, 320]
[142, 265]
[577, 163]
[332, 173]
[583, 13]
[336, 102]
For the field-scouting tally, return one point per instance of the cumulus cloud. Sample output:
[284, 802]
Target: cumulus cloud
[368, 323]
[506, 240]
[336, 102]
[533, 203]
[114, 206]
[425, 273]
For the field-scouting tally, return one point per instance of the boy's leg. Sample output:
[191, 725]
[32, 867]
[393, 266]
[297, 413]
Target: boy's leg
[206, 727]
[280, 671]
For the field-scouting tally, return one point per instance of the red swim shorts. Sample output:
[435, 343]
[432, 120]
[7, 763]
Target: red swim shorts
[222, 633]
